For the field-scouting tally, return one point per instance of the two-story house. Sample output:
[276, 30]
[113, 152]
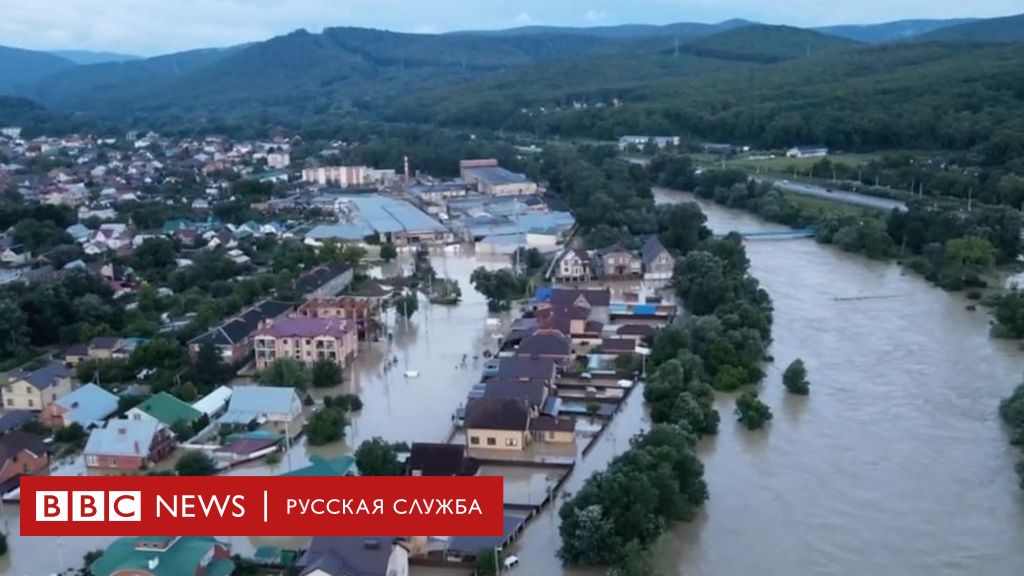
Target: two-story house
[619, 262]
[306, 340]
[574, 266]
[658, 261]
[29, 388]
[126, 446]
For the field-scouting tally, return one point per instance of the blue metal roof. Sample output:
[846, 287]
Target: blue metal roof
[495, 175]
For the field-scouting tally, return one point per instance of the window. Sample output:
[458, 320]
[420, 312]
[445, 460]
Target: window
[511, 442]
[28, 389]
[551, 435]
[9, 388]
[91, 460]
[474, 440]
[491, 441]
[10, 401]
[31, 403]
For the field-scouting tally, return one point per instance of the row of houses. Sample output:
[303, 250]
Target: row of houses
[651, 262]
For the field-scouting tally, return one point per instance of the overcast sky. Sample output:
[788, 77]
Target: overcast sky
[148, 27]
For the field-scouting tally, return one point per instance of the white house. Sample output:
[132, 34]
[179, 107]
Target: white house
[262, 404]
[807, 152]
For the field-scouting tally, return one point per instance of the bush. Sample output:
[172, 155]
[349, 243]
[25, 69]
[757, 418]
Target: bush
[751, 411]
[326, 374]
[325, 426]
[795, 378]
[195, 463]
[273, 459]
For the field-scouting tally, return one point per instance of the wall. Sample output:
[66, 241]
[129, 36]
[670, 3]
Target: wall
[501, 438]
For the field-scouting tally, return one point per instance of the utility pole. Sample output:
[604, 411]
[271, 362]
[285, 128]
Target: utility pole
[970, 198]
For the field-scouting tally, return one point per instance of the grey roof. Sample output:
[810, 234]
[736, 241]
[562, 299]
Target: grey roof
[15, 419]
[440, 460]
[567, 296]
[249, 403]
[123, 438]
[347, 555]
[495, 175]
[532, 391]
[44, 377]
[526, 368]
[545, 343]
[651, 249]
[14, 442]
[88, 405]
[239, 327]
[497, 414]
[374, 213]
[472, 545]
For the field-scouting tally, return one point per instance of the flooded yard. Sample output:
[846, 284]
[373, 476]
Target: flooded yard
[524, 484]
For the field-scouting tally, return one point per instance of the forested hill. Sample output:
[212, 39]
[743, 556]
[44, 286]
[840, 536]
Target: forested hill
[766, 44]
[898, 31]
[299, 73]
[1008, 29]
[19, 66]
[909, 95]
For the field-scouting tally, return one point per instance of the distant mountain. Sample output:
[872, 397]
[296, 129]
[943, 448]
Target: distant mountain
[119, 84]
[299, 72]
[86, 57]
[685, 30]
[897, 31]
[18, 66]
[763, 43]
[1007, 29]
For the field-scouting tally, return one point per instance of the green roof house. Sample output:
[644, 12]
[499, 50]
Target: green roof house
[165, 556]
[320, 466]
[166, 409]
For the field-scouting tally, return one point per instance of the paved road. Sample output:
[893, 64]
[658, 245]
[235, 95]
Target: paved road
[852, 198]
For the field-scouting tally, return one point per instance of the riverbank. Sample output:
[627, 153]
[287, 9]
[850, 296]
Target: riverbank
[895, 464]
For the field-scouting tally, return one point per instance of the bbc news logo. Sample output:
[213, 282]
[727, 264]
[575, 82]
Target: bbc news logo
[88, 506]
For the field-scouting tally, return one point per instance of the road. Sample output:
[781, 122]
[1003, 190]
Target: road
[852, 198]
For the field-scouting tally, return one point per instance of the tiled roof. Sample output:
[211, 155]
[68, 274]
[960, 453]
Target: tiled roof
[14, 442]
[184, 556]
[307, 327]
[440, 460]
[45, 377]
[347, 555]
[526, 368]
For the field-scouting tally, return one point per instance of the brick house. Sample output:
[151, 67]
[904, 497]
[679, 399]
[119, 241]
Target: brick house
[22, 453]
[128, 446]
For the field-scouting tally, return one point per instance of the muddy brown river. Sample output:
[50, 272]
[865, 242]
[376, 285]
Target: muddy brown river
[896, 463]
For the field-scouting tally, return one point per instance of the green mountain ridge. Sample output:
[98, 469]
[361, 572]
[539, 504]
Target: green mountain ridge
[19, 66]
[1006, 29]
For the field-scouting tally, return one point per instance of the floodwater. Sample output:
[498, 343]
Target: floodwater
[895, 464]
[396, 408]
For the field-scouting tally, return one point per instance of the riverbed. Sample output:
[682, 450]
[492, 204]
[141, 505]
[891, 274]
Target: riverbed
[895, 464]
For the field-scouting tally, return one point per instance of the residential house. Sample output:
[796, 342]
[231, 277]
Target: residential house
[261, 404]
[35, 388]
[215, 403]
[233, 337]
[428, 459]
[327, 280]
[498, 423]
[525, 368]
[638, 332]
[574, 266]
[125, 445]
[595, 300]
[572, 320]
[306, 340]
[164, 556]
[555, 429]
[99, 348]
[807, 152]
[22, 454]
[88, 406]
[658, 261]
[618, 262]
[365, 311]
[354, 556]
[533, 392]
[547, 343]
[167, 410]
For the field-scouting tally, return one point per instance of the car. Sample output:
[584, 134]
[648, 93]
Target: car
[511, 562]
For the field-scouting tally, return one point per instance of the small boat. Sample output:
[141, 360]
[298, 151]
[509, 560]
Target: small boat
[411, 374]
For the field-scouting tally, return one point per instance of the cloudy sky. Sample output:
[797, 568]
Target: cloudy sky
[149, 27]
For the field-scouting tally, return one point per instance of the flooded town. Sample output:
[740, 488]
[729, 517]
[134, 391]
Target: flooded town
[707, 297]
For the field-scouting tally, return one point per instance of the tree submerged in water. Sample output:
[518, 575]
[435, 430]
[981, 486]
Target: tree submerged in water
[751, 411]
[795, 378]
